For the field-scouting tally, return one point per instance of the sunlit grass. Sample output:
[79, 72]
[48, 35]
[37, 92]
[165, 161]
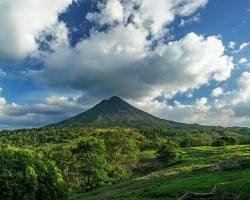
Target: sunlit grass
[189, 174]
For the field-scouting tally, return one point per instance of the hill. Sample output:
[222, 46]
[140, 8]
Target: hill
[200, 170]
[117, 112]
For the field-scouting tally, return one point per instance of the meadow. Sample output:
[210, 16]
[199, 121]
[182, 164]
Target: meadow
[122, 163]
[198, 170]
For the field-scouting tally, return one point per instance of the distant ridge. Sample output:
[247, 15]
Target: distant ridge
[115, 112]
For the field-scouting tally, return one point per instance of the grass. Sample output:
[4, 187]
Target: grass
[190, 174]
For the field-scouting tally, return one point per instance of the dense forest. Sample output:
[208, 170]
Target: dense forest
[51, 163]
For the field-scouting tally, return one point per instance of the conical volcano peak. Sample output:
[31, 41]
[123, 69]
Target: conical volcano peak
[113, 104]
[115, 98]
[112, 112]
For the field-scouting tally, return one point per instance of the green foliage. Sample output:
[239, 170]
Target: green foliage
[122, 149]
[167, 151]
[229, 140]
[93, 167]
[222, 141]
[192, 174]
[219, 143]
[25, 175]
[91, 157]
[65, 161]
[122, 153]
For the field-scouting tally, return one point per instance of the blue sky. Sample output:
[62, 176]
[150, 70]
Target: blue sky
[185, 61]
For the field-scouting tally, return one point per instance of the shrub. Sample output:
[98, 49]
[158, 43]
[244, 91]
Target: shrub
[167, 152]
[245, 163]
[25, 175]
[218, 143]
[222, 141]
[122, 154]
[91, 155]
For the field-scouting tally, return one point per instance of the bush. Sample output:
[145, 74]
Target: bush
[91, 155]
[25, 175]
[167, 152]
[222, 141]
[245, 163]
[229, 140]
[122, 154]
[219, 143]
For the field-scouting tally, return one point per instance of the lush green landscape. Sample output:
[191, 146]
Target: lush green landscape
[143, 158]
[193, 173]
[124, 163]
[124, 100]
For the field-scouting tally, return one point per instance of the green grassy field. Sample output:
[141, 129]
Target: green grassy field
[199, 170]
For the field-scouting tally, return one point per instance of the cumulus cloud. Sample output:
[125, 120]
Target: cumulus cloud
[112, 11]
[188, 113]
[50, 110]
[22, 21]
[243, 61]
[217, 92]
[151, 15]
[121, 60]
[128, 58]
[107, 62]
[230, 108]
[231, 45]
[123, 52]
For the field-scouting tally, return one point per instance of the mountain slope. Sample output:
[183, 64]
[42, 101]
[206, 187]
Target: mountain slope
[115, 112]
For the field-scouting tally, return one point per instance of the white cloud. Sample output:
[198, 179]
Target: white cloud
[243, 61]
[112, 11]
[244, 45]
[150, 15]
[119, 61]
[50, 110]
[196, 113]
[120, 58]
[243, 93]
[194, 19]
[22, 21]
[230, 109]
[217, 92]
[231, 45]
[188, 7]
[2, 101]
[189, 95]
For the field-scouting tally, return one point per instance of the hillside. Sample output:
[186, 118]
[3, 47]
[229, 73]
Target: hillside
[200, 170]
[117, 112]
[124, 163]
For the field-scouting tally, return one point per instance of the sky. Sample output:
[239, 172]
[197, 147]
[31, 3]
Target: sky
[181, 60]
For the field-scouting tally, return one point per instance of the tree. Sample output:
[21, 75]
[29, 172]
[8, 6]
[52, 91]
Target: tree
[64, 160]
[24, 174]
[167, 151]
[90, 153]
[226, 140]
[122, 153]
[218, 143]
